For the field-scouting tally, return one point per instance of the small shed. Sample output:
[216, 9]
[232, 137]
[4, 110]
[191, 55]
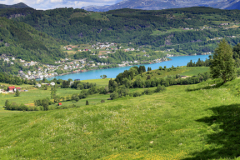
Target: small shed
[59, 104]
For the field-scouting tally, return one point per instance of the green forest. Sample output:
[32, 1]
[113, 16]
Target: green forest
[187, 30]
[22, 41]
[159, 29]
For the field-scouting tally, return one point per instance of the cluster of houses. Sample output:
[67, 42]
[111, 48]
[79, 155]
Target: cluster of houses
[207, 53]
[32, 63]
[7, 59]
[187, 28]
[130, 49]
[11, 89]
[42, 84]
[48, 71]
[101, 56]
[127, 63]
[224, 24]
[105, 45]
[217, 38]
[10, 59]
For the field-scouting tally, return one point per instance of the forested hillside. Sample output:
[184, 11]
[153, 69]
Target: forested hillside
[191, 28]
[23, 41]
[18, 5]
[186, 30]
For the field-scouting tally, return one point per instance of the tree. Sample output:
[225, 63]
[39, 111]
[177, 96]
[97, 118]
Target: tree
[45, 104]
[222, 63]
[7, 104]
[87, 103]
[17, 94]
[103, 76]
[53, 92]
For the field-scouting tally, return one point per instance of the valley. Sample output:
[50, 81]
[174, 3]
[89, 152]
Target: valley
[169, 86]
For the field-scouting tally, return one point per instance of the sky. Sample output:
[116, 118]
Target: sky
[51, 4]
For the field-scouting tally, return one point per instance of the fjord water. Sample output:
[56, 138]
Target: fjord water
[113, 72]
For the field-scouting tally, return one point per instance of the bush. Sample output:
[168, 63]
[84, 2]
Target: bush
[87, 103]
[114, 95]
[147, 92]
[160, 88]
[102, 101]
[136, 94]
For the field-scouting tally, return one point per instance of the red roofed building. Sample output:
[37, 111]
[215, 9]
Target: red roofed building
[59, 104]
[11, 88]
[18, 88]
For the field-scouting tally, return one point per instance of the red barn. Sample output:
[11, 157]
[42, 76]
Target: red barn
[11, 88]
[59, 104]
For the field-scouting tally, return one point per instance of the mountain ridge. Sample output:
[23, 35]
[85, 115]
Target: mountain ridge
[163, 4]
[18, 5]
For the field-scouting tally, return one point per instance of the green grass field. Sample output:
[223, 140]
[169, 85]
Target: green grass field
[185, 122]
[99, 82]
[183, 71]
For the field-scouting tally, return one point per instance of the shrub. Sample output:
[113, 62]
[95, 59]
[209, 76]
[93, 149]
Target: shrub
[87, 103]
[160, 88]
[102, 101]
[114, 95]
[147, 92]
[136, 94]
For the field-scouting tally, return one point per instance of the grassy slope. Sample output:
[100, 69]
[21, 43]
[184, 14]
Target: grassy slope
[183, 71]
[177, 124]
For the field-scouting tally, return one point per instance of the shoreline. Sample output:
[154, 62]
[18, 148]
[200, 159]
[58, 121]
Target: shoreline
[75, 72]
[104, 68]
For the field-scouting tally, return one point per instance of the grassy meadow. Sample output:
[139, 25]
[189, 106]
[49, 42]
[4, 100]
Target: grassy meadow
[187, 122]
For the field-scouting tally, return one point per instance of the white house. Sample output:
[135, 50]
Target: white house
[52, 83]
[38, 85]
[6, 59]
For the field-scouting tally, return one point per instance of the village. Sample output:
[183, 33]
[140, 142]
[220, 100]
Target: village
[68, 65]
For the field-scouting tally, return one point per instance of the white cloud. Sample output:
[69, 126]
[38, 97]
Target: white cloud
[50, 4]
[39, 1]
[56, 1]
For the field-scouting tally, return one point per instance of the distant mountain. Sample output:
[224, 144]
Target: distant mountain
[18, 5]
[165, 4]
[234, 6]
[96, 8]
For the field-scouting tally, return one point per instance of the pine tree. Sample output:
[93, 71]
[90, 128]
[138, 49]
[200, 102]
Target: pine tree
[17, 94]
[87, 102]
[222, 63]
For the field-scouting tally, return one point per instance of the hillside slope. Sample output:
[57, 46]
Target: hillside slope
[18, 5]
[23, 41]
[185, 122]
[173, 27]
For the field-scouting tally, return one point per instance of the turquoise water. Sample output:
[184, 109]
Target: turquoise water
[113, 72]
